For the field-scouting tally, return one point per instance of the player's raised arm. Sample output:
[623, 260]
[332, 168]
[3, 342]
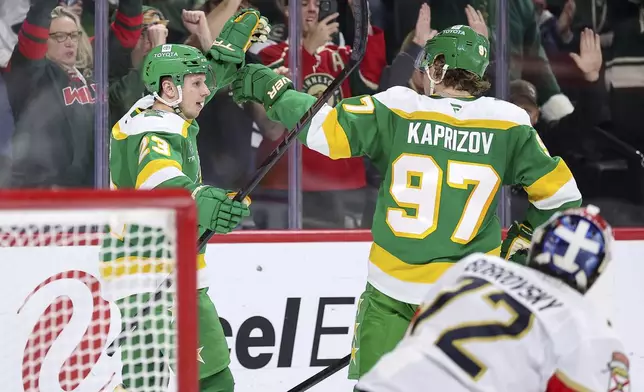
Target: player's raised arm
[548, 182]
[356, 126]
[227, 52]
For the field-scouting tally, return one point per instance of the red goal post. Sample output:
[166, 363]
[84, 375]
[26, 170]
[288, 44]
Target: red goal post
[29, 219]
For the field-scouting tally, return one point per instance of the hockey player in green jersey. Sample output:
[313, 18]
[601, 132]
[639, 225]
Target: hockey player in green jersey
[444, 157]
[154, 146]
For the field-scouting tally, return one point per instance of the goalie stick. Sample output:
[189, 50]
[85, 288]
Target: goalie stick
[360, 15]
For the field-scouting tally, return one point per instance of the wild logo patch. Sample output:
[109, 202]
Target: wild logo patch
[619, 378]
[315, 84]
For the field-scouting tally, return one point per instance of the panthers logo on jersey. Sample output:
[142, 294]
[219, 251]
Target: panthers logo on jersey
[619, 378]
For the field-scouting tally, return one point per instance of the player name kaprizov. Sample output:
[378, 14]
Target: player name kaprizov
[473, 142]
[514, 283]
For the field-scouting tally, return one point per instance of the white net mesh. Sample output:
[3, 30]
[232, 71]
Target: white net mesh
[85, 305]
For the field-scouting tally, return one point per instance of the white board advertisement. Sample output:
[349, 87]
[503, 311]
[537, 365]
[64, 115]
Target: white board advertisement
[287, 308]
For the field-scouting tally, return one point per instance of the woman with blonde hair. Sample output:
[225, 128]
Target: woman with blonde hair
[52, 96]
[69, 53]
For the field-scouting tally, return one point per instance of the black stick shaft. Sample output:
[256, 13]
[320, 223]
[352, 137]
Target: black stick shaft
[322, 375]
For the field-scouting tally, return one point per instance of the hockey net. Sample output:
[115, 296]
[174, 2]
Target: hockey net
[98, 291]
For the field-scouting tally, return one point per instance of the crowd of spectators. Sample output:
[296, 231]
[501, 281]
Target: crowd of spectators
[576, 66]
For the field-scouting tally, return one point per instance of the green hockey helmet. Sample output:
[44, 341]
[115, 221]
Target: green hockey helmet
[462, 47]
[175, 61]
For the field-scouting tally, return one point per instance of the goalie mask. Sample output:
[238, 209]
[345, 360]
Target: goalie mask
[573, 246]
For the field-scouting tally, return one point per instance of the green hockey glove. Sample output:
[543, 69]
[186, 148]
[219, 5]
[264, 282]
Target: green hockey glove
[224, 52]
[517, 242]
[217, 211]
[238, 34]
[258, 83]
[245, 28]
[231, 213]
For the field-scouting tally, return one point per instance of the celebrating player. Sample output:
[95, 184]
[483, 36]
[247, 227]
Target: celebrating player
[444, 157]
[154, 145]
[489, 325]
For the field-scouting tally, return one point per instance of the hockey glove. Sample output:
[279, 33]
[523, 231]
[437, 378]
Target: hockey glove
[258, 83]
[238, 34]
[217, 211]
[517, 242]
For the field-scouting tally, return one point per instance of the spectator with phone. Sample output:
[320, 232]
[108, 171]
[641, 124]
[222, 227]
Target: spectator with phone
[328, 185]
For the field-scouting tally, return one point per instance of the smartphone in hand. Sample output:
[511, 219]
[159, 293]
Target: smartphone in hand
[329, 7]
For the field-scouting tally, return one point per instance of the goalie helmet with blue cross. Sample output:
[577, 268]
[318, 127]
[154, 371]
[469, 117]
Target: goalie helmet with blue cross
[573, 246]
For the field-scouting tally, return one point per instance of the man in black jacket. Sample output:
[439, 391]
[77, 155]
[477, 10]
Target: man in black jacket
[566, 135]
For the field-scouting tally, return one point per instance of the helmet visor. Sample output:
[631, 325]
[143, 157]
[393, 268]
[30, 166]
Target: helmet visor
[421, 63]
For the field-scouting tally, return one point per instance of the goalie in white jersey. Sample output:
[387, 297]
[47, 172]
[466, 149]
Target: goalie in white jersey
[493, 326]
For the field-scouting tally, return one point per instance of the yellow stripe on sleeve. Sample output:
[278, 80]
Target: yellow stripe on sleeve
[549, 184]
[153, 167]
[336, 137]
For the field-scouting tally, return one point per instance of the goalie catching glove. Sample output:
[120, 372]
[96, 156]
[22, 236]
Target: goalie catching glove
[258, 83]
[217, 211]
[517, 243]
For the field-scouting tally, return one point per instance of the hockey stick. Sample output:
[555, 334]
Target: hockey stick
[623, 146]
[359, 47]
[323, 374]
[360, 11]
[122, 337]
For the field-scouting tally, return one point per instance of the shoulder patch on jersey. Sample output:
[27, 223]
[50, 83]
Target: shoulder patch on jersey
[619, 373]
[151, 121]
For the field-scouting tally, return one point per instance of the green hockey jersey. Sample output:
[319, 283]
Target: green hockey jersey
[148, 149]
[443, 162]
